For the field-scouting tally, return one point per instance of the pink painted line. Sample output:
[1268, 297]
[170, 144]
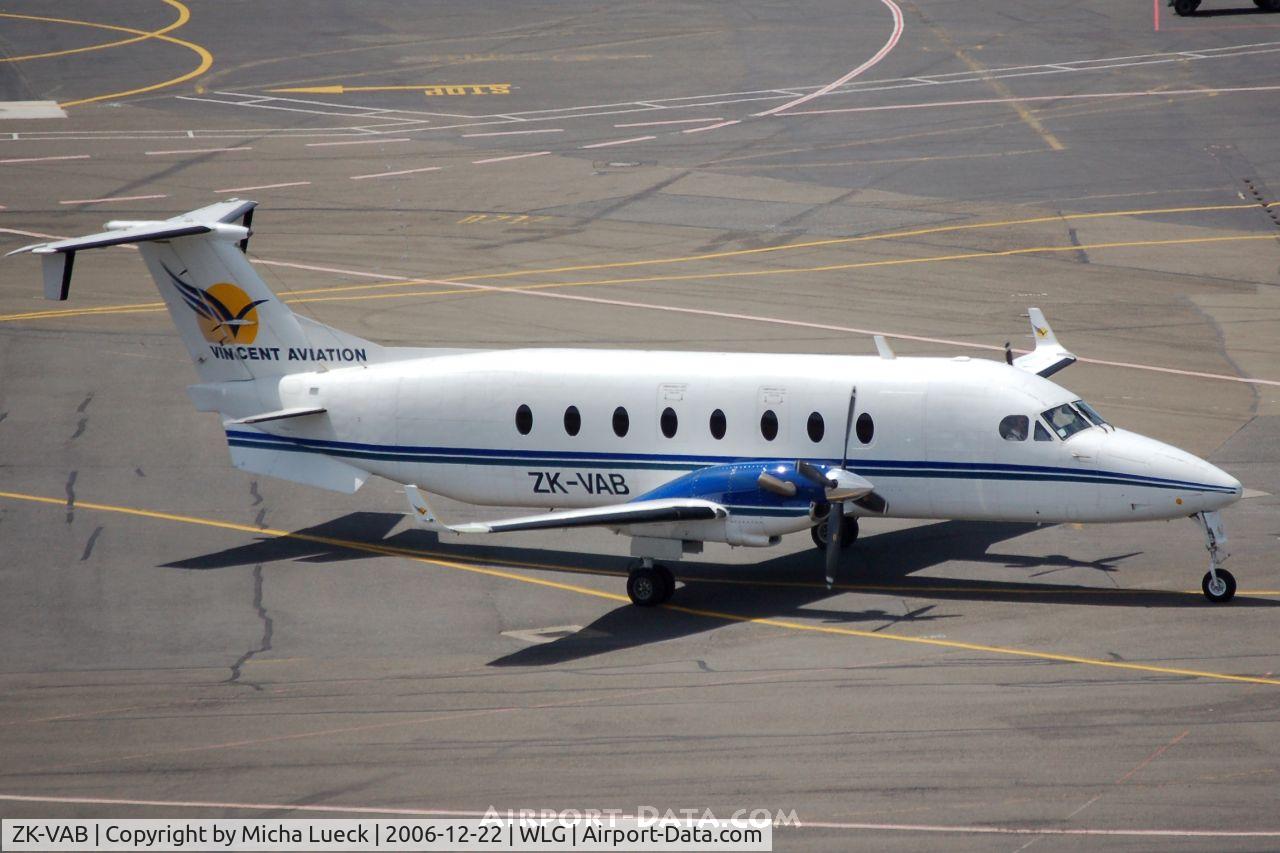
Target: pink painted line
[509, 157]
[198, 150]
[393, 174]
[263, 187]
[829, 327]
[799, 824]
[611, 143]
[358, 142]
[889, 45]
[712, 126]
[43, 159]
[514, 132]
[1146, 93]
[327, 269]
[116, 198]
[671, 121]
[1155, 14]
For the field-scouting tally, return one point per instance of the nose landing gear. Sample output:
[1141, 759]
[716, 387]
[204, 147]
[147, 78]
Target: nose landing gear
[1218, 585]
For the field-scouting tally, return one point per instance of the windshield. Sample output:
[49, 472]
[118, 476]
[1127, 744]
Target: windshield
[1065, 420]
[1091, 413]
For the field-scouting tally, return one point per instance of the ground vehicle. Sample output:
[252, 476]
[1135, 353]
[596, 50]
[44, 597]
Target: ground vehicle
[1189, 7]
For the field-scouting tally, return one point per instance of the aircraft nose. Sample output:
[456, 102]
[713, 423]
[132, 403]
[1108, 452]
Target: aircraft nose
[1209, 487]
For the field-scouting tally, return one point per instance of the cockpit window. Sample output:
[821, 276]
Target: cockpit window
[1065, 420]
[1042, 434]
[1015, 428]
[1091, 413]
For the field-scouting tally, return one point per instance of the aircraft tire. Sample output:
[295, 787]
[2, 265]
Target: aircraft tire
[1223, 591]
[1185, 7]
[668, 582]
[1268, 5]
[850, 532]
[645, 587]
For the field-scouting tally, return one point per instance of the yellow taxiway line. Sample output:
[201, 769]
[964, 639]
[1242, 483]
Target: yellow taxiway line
[420, 557]
[184, 15]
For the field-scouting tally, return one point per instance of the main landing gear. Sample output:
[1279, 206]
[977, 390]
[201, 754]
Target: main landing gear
[1219, 585]
[848, 532]
[650, 584]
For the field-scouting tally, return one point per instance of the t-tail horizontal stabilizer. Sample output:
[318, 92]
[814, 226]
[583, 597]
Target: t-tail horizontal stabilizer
[1049, 356]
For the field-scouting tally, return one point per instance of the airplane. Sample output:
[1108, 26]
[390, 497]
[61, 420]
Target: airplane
[672, 449]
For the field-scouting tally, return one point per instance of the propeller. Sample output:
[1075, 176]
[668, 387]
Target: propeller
[835, 518]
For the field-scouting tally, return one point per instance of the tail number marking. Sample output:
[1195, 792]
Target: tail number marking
[591, 482]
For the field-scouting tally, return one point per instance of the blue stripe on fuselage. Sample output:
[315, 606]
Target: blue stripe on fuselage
[674, 462]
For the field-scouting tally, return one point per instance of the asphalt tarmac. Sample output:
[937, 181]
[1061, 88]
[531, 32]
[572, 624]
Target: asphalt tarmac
[182, 639]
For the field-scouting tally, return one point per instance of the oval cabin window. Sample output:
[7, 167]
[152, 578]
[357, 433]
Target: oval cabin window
[816, 428]
[621, 422]
[769, 425]
[668, 422]
[865, 428]
[572, 420]
[718, 425]
[524, 419]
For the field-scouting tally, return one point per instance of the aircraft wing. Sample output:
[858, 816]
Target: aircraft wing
[634, 512]
[1049, 356]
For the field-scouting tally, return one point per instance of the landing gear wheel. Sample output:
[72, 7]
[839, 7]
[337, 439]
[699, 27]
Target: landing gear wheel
[645, 587]
[1268, 5]
[668, 582]
[1219, 590]
[1186, 7]
[848, 533]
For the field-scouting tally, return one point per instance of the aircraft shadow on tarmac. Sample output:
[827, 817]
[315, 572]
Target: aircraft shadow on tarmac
[789, 586]
[1219, 13]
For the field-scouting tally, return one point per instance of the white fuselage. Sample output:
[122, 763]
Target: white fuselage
[449, 424]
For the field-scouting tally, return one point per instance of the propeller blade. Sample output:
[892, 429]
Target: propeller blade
[848, 427]
[835, 520]
[873, 502]
[811, 473]
[770, 483]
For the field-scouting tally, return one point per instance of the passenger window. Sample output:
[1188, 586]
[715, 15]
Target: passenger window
[621, 422]
[668, 422]
[816, 428]
[1042, 434]
[865, 428]
[718, 425]
[524, 419]
[572, 420]
[769, 425]
[1015, 428]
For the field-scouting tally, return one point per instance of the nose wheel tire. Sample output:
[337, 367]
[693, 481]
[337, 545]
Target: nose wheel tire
[1186, 7]
[847, 534]
[650, 586]
[1221, 589]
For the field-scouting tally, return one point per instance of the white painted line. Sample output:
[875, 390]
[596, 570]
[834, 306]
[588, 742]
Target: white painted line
[327, 269]
[263, 187]
[43, 159]
[357, 142]
[1148, 93]
[31, 109]
[670, 121]
[393, 174]
[509, 157]
[198, 150]
[514, 132]
[712, 126]
[889, 45]
[115, 198]
[799, 824]
[611, 143]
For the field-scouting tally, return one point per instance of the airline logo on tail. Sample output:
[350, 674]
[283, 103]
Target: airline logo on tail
[226, 314]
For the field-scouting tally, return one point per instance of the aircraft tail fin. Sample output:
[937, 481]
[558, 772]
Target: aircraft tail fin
[233, 325]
